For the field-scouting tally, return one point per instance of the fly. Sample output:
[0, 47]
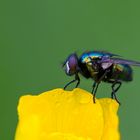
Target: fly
[100, 66]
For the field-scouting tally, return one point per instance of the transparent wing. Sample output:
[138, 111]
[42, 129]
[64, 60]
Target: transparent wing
[119, 61]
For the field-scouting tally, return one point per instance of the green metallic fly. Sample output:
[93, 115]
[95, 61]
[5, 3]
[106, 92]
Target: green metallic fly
[100, 66]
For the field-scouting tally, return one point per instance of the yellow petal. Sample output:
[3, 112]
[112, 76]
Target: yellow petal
[110, 108]
[66, 115]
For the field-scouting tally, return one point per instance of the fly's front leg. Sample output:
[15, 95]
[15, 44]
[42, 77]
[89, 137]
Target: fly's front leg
[76, 79]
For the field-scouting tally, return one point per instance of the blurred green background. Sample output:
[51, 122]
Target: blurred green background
[37, 36]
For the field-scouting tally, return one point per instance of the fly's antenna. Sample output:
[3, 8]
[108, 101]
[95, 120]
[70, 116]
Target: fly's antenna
[63, 64]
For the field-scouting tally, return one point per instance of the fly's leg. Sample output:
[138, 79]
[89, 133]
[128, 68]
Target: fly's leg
[114, 90]
[94, 90]
[76, 79]
[95, 85]
[112, 96]
[69, 83]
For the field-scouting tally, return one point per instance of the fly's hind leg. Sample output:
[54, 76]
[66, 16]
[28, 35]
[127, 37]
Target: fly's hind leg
[115, 87]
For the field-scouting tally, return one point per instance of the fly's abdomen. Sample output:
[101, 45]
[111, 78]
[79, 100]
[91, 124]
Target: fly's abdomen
[122, 72]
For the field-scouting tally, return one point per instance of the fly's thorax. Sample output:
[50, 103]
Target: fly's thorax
[93, 70]
[87, 58]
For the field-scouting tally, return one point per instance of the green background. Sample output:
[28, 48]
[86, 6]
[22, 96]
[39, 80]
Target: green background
[37, 36]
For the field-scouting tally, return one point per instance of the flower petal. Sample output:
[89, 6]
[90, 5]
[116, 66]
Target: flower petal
[110, 108]
[66, 115]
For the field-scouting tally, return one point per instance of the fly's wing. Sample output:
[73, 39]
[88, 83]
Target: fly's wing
[105, 57]
[118, 61]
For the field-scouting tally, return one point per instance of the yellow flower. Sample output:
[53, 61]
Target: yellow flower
[67, 115]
